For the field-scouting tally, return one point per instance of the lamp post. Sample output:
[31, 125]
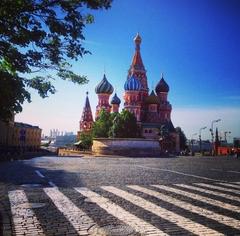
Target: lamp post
[192, 142]
[212, 134]
[200, 138]
[225, 135]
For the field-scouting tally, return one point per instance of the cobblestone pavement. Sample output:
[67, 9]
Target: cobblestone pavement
[107, 196]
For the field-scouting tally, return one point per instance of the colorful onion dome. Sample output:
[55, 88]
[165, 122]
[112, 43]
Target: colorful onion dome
[162, 86]
[152, 99]
[104, 86]
[132, 84]
[115, 100]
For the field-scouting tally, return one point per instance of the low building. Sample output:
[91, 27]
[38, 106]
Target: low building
[16, 135]
[26, 136]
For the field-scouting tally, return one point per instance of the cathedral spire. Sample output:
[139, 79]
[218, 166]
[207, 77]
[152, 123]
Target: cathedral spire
[137, 63]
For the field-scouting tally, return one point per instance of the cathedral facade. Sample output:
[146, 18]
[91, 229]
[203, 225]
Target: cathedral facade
[152, 110]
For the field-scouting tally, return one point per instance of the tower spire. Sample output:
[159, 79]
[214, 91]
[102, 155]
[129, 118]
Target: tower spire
[137, 63]
[138, 71]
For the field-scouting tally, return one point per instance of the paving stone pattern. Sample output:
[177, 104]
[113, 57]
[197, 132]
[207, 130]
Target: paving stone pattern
[176, 209]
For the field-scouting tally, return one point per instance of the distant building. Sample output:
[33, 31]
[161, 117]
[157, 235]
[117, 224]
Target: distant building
[236, 142]
[54, 133]
[194, 145]
[229, 148]
[65, 140]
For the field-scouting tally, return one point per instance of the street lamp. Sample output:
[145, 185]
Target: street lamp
[200, 137]
[225, 135]
[212, 134]
[192, 142]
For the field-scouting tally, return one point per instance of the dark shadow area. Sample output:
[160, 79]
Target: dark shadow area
[12, 154]
[21, 172]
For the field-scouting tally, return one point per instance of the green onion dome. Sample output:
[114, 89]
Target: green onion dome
[104, 86]
[162, 86]
[152, 99]
[115, 100]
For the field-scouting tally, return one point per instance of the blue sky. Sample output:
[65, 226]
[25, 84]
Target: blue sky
[196, 44]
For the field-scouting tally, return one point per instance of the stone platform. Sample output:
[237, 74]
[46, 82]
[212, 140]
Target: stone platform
[126, 147]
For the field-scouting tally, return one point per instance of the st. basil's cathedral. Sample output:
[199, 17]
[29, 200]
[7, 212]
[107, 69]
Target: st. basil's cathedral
[151, 110]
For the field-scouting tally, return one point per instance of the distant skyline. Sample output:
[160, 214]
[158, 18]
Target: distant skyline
[195, 44]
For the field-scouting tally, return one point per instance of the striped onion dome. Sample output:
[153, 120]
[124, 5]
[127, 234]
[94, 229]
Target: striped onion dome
[104, 86]
[162, 86]
[115, 100]
[132, 84]
[152, 98]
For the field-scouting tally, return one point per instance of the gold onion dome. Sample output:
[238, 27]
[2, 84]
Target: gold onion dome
[162, 86]
[104, 86]
[152, 99]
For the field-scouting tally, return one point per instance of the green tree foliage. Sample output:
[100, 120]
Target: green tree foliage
[102, 125]
[117, 125]
[182, 138]
[125, 125]
[86, 141]
[37, 39]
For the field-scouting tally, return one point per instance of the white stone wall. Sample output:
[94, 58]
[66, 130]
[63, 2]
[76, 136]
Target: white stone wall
[128, 147]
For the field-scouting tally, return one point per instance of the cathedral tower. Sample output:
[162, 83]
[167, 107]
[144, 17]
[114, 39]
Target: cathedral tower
[115, 102]
[86, 121]
[104, 89]
[152, 102]
[137, 68]
[165, 107]
[132, 96]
